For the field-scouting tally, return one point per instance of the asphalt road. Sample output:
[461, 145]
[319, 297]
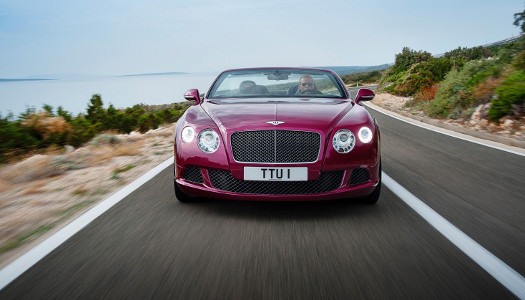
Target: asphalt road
[151, 246]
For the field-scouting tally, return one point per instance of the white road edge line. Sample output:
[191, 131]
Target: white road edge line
[511, 279]
[31, 257]
[461, 136]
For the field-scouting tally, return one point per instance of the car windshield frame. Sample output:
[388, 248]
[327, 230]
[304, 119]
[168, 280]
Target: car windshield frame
[282, 80]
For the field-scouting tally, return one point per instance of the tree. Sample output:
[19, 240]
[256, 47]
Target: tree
[407, 58]
[83, 131]
[96, 114]
[64, 114]
[95, 110]
[49, 109]
[519, 20]
[111, 121]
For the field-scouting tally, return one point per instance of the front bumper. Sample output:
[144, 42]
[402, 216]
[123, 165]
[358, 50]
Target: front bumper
[342, 188]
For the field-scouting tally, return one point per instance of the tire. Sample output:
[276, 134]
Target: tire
[374, 196]
[181, 196]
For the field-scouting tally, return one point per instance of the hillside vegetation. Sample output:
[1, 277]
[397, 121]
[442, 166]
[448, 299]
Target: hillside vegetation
[363, 78]
[454, 84]
[33, 131]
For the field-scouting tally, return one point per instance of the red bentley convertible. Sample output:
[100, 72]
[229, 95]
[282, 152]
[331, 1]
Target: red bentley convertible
[277, 134]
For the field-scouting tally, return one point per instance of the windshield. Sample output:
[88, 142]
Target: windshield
[257, 83]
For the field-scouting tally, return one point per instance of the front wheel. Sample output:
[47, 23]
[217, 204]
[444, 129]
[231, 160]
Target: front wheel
[374, 196]
[181, 196]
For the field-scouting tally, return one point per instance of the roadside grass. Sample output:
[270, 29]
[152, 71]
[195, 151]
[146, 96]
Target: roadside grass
[80, 191]
[117, 171]
[69, 211]
[23, 238]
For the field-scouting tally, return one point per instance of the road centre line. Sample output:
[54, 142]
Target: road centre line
[31, 257]
[504, 274]
[461, 136]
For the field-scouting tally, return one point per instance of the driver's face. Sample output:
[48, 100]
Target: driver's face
[306, 84]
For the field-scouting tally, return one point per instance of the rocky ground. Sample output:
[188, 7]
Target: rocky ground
[43, 193]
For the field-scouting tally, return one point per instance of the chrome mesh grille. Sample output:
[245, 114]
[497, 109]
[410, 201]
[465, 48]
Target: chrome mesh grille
[327, 181]
[359, 175]
[275, 146]
[193, 174]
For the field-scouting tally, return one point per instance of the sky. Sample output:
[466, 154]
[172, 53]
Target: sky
[117, 37]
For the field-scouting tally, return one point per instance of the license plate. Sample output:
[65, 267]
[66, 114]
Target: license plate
[276, 174]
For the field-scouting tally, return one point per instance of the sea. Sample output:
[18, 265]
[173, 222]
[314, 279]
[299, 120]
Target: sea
[123, 91]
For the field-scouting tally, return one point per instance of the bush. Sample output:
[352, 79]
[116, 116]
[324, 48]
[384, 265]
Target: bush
[420, 76]
[404, 61]
[15, 139]
[455, 91]
[144, 124]
[461, 55]
[427, 93]
[105, 139]
[511, 92]
[407, 58]
[364, 77]
[484, 90]
[83, 131]
[39, 129]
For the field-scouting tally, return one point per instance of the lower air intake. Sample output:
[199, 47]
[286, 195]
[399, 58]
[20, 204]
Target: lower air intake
[327, 181]
[359, 175]
[193, 174]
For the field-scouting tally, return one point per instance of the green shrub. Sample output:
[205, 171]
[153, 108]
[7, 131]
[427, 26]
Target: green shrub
[511, 92]
[144, 124]
[83, 131]
[14, 138]
[456, 88]
[105, 139]
[407, 58]
[39, 129]
[420, 76]
[364, 77]
[460, 56]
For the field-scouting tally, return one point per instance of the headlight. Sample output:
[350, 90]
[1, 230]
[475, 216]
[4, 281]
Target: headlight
[209, 140]
[188, 134]
[343, 141]
[365, 135]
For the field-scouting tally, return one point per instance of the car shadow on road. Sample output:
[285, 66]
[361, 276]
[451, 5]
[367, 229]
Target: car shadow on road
[288, 210]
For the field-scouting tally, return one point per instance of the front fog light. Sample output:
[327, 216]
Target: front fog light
[188, 133]
[343, 141]
[365, 135]
[209, 140]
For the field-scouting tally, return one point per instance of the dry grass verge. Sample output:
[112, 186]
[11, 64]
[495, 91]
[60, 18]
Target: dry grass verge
[43, 192]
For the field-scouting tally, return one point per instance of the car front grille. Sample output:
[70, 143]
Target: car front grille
[327, 181]
[193, 174]
[359, 175]
[275, 146]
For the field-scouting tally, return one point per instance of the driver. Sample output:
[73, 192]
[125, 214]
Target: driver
[307, 86]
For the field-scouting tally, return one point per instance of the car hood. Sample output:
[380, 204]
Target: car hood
[233, 115]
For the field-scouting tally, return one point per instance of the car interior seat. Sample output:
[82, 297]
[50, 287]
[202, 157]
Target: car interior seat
[293, 89]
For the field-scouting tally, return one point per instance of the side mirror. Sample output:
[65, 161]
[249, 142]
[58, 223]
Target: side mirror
[192, 95]
[364, 95]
